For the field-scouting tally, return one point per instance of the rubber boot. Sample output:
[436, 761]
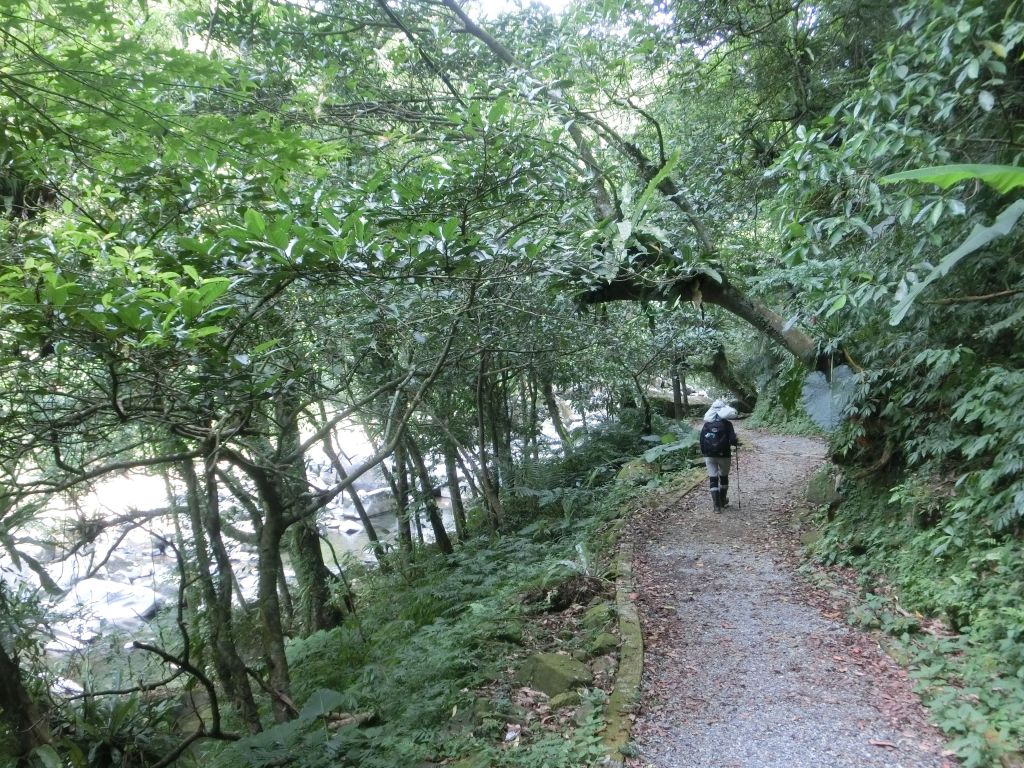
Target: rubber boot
[723, 491]
[716, 499]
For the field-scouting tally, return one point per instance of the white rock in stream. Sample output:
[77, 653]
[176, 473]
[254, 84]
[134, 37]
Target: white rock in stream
[97, 604]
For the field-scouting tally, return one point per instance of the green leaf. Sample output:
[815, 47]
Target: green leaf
[714, 274]
[980, 236]
[212, 290]
[837, 304]
[255, 224]
[652, 185]
[1001, 177]
[323, 702]
[48, 756]
[189, 270]
[997, 48]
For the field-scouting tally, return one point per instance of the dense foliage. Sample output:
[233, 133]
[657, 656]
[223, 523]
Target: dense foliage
[231, 230]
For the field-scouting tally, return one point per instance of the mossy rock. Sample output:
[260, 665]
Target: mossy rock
[604, 666]
[554, 673]
[599, 616]
[604, 643]
[807, 538]
[508, 632]
[637, 472]
[823, 488]
[562, 700]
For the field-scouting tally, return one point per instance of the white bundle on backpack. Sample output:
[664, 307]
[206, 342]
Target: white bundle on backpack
[720, 410]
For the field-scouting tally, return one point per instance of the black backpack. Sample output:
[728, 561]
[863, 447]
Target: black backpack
[714, 439]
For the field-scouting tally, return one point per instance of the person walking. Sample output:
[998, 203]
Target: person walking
[717, 439]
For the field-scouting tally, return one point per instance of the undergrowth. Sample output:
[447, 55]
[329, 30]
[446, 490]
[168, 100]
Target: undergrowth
[409, 679]
[918, 562]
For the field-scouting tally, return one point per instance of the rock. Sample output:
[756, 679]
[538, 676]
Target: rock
[636, 472]
[585, 712]
[604, 666]
[603, 643]
[810, 537]
[475, 713]
[823, 488]
[599, 616]
[124, 606]
[562, 700]
[508, 632]
[554, 673]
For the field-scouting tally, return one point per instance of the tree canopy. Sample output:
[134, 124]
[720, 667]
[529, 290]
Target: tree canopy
[229, 228]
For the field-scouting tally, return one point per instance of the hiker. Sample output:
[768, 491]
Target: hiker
[717, 438]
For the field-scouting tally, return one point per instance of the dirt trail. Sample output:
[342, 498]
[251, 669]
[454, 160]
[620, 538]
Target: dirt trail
[746, 665]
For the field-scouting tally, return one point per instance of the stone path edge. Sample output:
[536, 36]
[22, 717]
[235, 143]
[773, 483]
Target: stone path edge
[626, 689]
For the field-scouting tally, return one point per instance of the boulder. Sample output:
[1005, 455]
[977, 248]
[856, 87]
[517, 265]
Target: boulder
[604, 643]
[562, 700]
[508, 632]
[554, 673]
[599, 616]
[111, 603]
[637, 472]
[823, 488]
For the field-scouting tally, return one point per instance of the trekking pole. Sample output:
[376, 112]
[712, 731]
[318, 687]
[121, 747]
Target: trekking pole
[739, 496]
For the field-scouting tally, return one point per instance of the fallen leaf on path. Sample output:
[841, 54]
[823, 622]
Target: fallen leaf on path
[878, 743]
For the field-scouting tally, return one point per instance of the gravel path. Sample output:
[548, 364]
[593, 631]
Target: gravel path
[746, 665]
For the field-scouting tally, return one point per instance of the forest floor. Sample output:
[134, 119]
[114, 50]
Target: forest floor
[747, 665]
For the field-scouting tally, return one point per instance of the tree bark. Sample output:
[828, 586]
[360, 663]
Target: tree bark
[314, 605]
[25, 718]
[364, 518]
[703, 286]
[402, 503]
[556, 416]
[269, 568]
[454, 492]
[427, 488]
[677, 392]
[227, 662]
[723, 373]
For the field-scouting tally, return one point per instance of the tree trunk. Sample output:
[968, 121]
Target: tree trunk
[269, 566]
[427, 488]
[487, 483]
[228, 664]
[725, 295]
[274, 657]
[353, 494]
[26, 719]
[554, 414]
[723, 374]
[644, 404]
[533, 416]
[454, 492]
[317, 607]
[677, 392]
[402, 503]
